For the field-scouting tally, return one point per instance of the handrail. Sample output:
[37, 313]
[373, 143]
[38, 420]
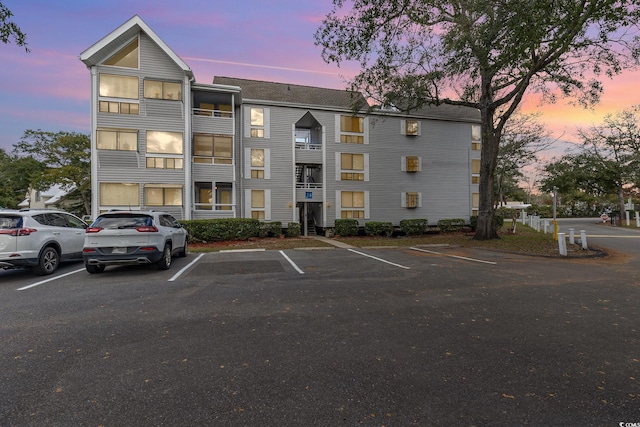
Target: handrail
[308, 146]
[212, 113]
[315, 185]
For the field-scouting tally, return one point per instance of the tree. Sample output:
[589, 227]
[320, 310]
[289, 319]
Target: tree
[481, 54]
[17, 174]
[523, 138]
[67, 156]
[9, 30]
[615, 144]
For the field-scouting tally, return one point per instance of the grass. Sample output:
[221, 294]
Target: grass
[525, 241]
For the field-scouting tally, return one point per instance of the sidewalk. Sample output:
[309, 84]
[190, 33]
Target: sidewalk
[332, 242]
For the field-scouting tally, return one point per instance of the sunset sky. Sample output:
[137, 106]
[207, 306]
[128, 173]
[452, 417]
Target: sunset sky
[48, 88]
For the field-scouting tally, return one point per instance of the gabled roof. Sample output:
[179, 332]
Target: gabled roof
[96, 53]
[293, 94]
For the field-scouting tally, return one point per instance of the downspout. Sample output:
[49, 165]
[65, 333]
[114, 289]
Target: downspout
[241, 165]
[188, 185]
[234, 195]
[94, 144]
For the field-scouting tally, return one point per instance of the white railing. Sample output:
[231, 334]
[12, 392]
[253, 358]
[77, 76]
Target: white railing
[214, 207]
[309, 185]
[308, 146]
[212, 113]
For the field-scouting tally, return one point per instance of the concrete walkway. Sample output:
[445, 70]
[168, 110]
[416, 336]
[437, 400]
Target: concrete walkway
[332, 242]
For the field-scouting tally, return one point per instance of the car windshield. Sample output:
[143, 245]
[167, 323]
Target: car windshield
[10, 221]
[123, 221]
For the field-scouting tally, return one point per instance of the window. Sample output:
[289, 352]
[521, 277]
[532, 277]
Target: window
[164, 142]
[475, 203]
[257, 163]
[476, 137]
[411, 200]
[257, 122]
[413, 164]
[162, 90]
[351, 130]
[119, 107]
[164, 163]
[203, 195]
[212, 148]
[113, 86]
[352, 204]
[224, 198]
[350, 164]
[126, 57]
[475, 171]
[411, 127]
[257, 204]
[163, 195]
[116, 194]
[117, 139]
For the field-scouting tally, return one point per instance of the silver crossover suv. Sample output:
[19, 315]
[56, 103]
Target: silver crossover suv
[133, 237]
[39, 238]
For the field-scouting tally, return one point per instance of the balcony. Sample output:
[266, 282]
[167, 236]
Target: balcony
[212, 121]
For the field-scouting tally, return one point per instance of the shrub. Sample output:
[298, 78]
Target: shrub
[414, 226]
[293, 230]
[210, 230]
[375, 228]
[270, 229]
[449, 225]
[347, 227]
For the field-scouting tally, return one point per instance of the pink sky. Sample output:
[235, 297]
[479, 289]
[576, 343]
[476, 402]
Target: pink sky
[48, 88]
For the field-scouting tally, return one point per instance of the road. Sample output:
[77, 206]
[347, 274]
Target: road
[620, 239]
[373, 337]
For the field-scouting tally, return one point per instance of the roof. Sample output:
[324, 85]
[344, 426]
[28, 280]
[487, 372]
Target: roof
[95, 54]
[293, 94]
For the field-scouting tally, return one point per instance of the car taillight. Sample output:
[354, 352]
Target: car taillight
[93, 229]
[15, 232]
[147, 229]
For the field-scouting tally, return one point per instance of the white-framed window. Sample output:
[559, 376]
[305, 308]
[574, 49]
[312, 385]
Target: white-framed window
[154, 162]
[411, 164]
[119, 194]
[257, 163]
[115, 107]
[352, 129]
[159, 89]
[411, 200]
[162, 195]
[258, 204]
[116, 86]
[476, 137]
[352, 204]
[475, 203]
[352, 166]
[117, 139]
[410, 127]
[127, 57]
[164, 142]
[257, 121]
[475, 171]
[209, 148]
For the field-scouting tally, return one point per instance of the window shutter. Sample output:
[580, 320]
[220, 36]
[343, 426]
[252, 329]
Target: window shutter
[366, 130]
[419, 200]
[267, 205]
[403, 164]
[247, 203]
[247, 163]
[367, 214]
[338, 166]
[419, 127]
[403, 127]
[366, 166]
[403, 200]
[419, 164]
[267, 164]
[267, 123]
[338, 128]
[247, 121]
[338, 203]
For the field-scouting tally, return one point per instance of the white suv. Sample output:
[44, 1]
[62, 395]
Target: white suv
[39, 238]
[133, 237]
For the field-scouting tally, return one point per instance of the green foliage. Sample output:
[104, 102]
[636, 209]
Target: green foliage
[412, 227]
[18, 174]
[211, 230]
[347, 227]
[450, 225]
[9, 30]
[375, 228]
[293, 230]
[270, 229]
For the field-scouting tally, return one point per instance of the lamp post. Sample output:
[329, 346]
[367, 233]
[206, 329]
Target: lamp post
[555, 221]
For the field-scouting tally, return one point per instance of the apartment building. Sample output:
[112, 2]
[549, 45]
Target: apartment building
[239, 148]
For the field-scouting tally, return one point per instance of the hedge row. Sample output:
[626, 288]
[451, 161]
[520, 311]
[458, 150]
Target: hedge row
[211, 230]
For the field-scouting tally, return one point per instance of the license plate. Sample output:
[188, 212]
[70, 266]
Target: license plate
[119, 251]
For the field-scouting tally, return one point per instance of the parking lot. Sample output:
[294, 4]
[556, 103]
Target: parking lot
[396, 336]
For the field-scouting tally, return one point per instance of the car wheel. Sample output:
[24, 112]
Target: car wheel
[48, 262]
[183, 251]
[93, 269]
[165, 261]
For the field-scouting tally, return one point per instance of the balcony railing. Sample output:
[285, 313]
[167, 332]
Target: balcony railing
[212, 113]
[308, 146]
[214, 207]
[310, 185]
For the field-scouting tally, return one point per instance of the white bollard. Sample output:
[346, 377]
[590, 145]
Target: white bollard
[572, 237]
[562, 244]
[637, 220]
[546, 225]
[626, 214]
[583, 237]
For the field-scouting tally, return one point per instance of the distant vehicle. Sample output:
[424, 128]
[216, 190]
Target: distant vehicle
[133, 237]
[40, 238]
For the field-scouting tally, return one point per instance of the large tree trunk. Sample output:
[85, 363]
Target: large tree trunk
[621, 204]
[489, 155]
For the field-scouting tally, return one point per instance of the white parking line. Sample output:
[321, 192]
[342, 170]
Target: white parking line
[380, 259]
[293, 264]
[50, 280]
[455, 256]
[179, 273]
